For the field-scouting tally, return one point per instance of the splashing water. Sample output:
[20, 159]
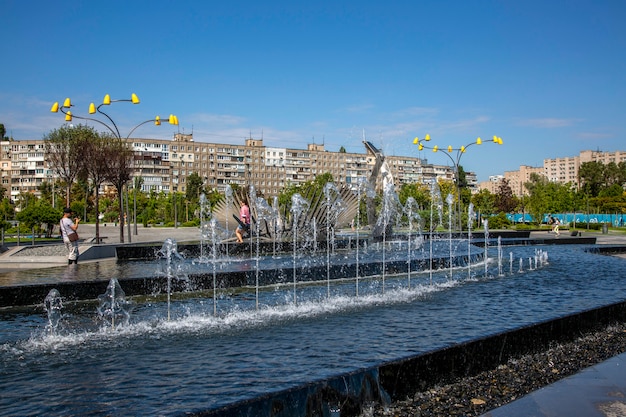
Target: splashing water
[53, 305]
[113, 306]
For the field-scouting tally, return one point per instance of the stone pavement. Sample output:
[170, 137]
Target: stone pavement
[598, 391]
[43, 256]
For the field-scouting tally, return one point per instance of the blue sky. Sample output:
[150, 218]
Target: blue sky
[548, 77]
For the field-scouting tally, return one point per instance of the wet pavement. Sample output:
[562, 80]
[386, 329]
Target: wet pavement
[598, 391]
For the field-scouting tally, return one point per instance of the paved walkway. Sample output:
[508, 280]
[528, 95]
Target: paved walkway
[598, 391]
[44, 256]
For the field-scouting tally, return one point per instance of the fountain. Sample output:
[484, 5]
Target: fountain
[316, 333]
[53, 305]
[113, 305]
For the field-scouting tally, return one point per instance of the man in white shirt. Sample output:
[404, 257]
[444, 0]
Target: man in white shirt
[70, 236]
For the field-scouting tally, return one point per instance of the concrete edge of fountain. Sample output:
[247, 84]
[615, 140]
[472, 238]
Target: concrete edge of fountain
[33, 294]
[391, 381]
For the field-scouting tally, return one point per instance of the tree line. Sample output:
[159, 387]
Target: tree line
[83, 159]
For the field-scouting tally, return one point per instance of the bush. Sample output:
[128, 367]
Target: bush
[589, 226]
[499, 221]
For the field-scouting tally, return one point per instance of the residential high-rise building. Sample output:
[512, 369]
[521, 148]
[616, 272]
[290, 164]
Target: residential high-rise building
[164, 165]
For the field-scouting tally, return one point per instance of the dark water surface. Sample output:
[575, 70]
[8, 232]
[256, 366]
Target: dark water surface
[196, 361]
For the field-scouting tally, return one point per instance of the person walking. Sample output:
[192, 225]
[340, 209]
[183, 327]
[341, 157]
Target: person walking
[70, 235]
[557, 222]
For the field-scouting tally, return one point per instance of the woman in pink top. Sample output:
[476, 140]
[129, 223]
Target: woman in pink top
[244, 215]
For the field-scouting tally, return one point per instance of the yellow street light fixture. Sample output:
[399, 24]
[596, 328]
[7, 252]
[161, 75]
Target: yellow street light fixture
[65, 109]
[449, 153]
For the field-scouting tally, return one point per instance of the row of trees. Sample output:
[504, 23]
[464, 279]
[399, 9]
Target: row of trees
[84, 159]
[81, 154]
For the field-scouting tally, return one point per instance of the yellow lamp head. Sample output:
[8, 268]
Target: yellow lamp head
[479, 141]
[134, 98]
[449, 148]
[427, 137]
[68, 116]
[435, 148]
[157, 121]
[420, 147]
[67, 103]
[106, 100]
[462, 149]
[92, 108]
[416, 140]
[499, 141]
[55, 107]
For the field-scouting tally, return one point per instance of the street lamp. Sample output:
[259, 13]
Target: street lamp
[455, 158]
[66, 110]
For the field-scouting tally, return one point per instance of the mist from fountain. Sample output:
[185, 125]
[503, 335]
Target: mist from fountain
[486, 248]
[112, 305]
[334, 206]
[470, 221]
[391, 207]
[228, 197]
[53, 304]
[435, 204]
[410, 210]
[298, 206]
[450, 201]
[363, 189]
[265, 213]
[173, 268]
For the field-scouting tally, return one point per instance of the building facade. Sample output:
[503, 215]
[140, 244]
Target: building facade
[164, 165]
[561, 170]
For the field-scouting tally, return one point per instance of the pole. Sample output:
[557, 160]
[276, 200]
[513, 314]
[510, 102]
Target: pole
[128, 217]
[175, 212]
[135, 206]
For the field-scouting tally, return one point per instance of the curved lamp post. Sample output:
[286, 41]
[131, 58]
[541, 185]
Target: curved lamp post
[66, 110]
[455, 158]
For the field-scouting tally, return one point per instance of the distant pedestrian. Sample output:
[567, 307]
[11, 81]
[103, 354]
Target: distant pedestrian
[244, 224]
[557, 222]
[70, 235]
[551, 223]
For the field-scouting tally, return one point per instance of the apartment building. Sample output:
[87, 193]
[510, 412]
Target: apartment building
[561, 170]
[164, 165]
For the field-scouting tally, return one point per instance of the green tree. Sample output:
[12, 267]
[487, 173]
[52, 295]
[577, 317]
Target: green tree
[3, 131]
[537, 200]
[484, 202]
[194, 187]
[119, 163]
[39, 213]
[94, 168]
[505, 201]
[591, 177]
[65, 152]
[419, 192]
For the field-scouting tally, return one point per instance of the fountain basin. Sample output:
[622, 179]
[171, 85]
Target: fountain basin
[245, 355]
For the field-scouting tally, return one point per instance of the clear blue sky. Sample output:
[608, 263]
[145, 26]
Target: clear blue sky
[549, 77]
